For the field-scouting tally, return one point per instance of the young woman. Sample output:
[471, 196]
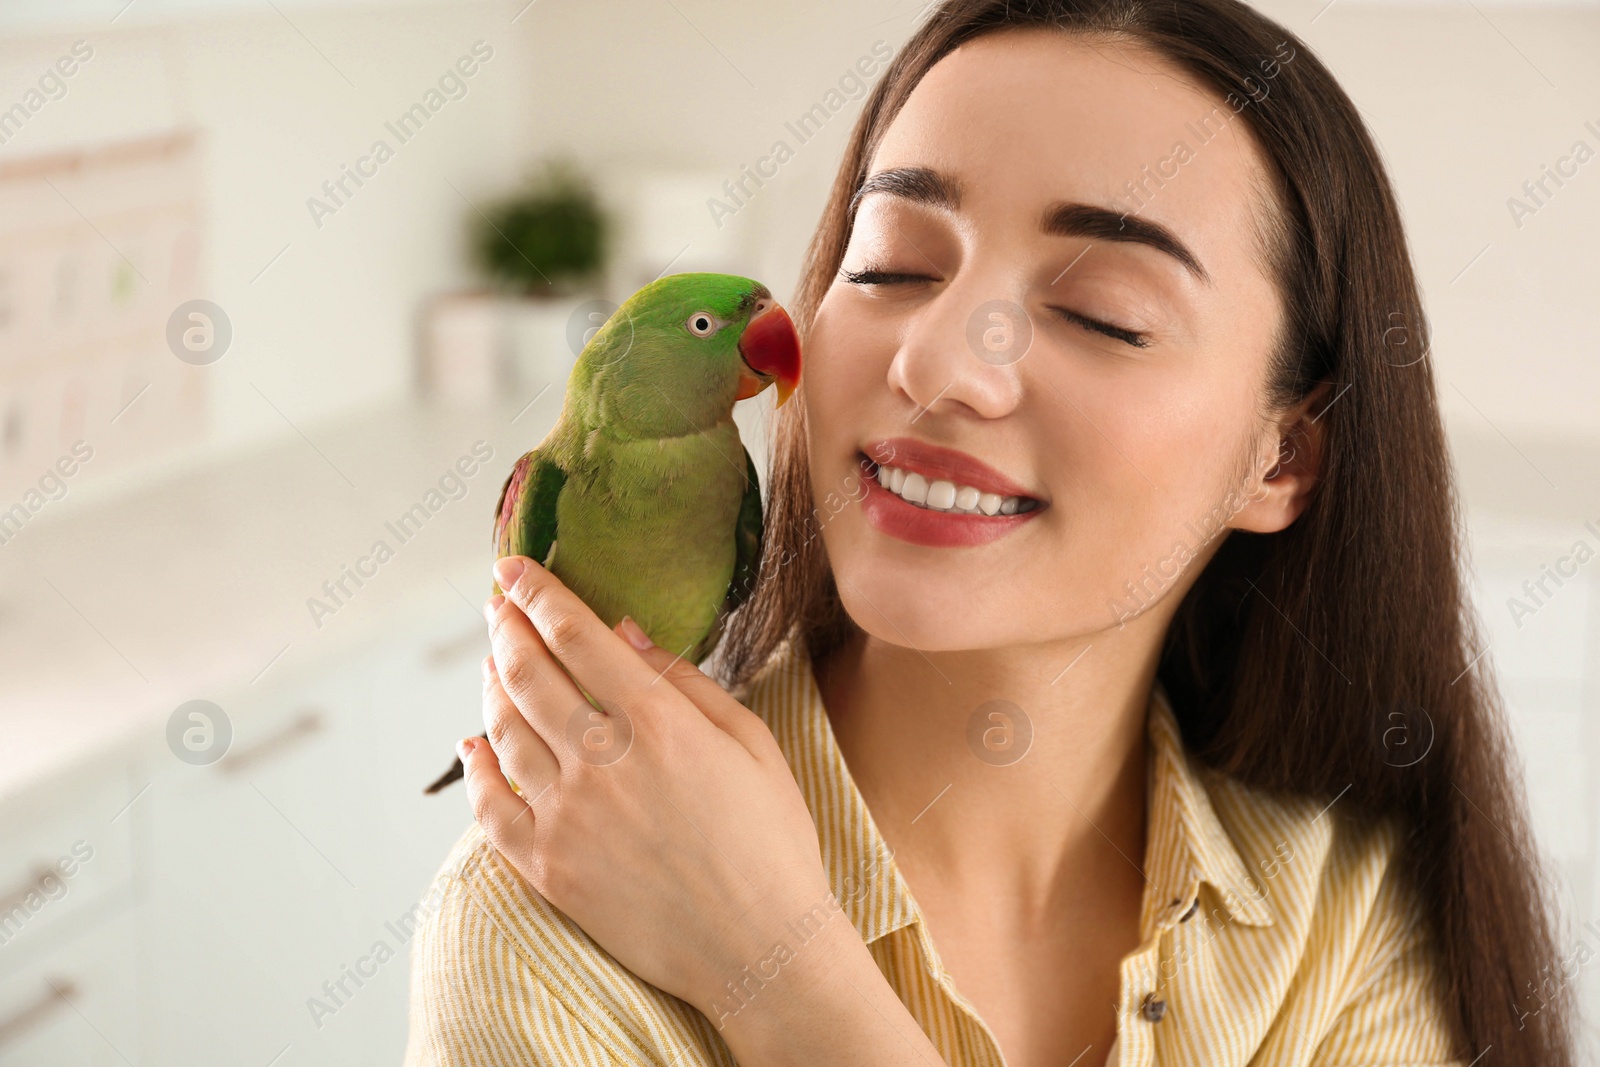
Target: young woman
[1110, 695]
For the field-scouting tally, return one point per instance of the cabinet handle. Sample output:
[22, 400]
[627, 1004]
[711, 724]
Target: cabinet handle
[19, 895]
[27, 1017]
[308, 723]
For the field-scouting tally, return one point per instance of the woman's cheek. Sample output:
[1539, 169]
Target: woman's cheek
[1122, 503]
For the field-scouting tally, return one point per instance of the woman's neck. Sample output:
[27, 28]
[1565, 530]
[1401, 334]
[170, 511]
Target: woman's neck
[964, 815]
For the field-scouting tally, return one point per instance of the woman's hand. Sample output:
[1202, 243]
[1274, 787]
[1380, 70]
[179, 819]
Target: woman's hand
[667, 826]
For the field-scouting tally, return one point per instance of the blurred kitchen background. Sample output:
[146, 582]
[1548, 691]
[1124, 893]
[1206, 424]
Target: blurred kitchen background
[241, 346]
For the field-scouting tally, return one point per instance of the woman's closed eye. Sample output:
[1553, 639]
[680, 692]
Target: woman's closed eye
[875, 276]
[1118, 333]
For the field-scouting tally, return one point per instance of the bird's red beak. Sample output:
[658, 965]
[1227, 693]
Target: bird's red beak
[770, 347]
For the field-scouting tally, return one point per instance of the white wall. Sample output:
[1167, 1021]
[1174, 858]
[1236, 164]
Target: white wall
[1467, 102]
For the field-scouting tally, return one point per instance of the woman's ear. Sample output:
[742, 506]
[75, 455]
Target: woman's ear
[1286, 469]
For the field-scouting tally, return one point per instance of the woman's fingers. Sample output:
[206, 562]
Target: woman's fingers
[524, 755]
[570, 631]
[505, 817]
[545, 695]
[547, 642]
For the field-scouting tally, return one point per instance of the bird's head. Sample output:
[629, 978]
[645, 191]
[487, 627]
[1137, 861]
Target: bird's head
[693, 344]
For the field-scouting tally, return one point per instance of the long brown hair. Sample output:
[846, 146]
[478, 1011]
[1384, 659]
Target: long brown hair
[1339, 657]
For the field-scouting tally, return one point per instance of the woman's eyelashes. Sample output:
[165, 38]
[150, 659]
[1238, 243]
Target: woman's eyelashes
[875, 276]
[1131, 337]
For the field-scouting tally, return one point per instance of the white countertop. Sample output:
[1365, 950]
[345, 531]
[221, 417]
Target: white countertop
[115, 609]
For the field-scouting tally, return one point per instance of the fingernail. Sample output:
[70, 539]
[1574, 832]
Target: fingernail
[635, 635]
[493, 605]
[508, 569]
[465, 746]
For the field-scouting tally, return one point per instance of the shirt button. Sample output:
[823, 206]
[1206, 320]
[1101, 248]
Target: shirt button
[1153, 1007]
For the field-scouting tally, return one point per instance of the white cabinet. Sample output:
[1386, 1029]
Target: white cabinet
[285, 866]
[68, 939]
[237, 908]
[77, 1005]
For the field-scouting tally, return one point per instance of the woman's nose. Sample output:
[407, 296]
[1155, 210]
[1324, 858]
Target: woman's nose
[963, 349]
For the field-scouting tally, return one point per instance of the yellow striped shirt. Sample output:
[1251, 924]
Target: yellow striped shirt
[1274, 932]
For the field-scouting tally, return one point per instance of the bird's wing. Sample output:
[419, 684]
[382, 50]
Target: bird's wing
[747, 540]
[524, 525]
[525, 517]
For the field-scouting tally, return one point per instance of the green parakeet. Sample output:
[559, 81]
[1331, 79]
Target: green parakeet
[642, 498]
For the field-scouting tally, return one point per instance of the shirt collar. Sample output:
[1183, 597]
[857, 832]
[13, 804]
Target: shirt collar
[1186, 843]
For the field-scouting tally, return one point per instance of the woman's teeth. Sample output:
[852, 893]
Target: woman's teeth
[941, 495]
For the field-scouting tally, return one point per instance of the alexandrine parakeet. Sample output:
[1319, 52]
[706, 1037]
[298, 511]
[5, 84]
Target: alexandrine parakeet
[642, 498]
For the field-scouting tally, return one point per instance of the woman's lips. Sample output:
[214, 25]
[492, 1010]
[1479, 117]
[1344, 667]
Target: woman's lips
[935, 461]
[889, 513]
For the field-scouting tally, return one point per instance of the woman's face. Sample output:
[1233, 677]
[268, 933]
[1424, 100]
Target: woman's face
[1055, 273]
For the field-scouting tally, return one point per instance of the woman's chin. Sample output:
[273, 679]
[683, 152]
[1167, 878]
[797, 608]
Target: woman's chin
[918, 614]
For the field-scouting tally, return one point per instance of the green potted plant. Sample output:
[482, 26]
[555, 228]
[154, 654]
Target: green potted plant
[543, 250]
[548, 240]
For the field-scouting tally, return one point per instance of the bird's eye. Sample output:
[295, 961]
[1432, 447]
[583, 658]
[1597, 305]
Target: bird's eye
[703, 324]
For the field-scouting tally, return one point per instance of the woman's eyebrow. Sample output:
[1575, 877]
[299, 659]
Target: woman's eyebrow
[1087, 220]
[920, 185]
[924, 185]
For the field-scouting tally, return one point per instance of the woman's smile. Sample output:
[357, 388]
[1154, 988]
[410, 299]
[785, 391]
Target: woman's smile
[930, 495]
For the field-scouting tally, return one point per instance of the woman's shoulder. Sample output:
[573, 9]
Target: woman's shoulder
[1308, 854]
[1342, 916]
[1288, 860]
[1343, 901]
[491, 956]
